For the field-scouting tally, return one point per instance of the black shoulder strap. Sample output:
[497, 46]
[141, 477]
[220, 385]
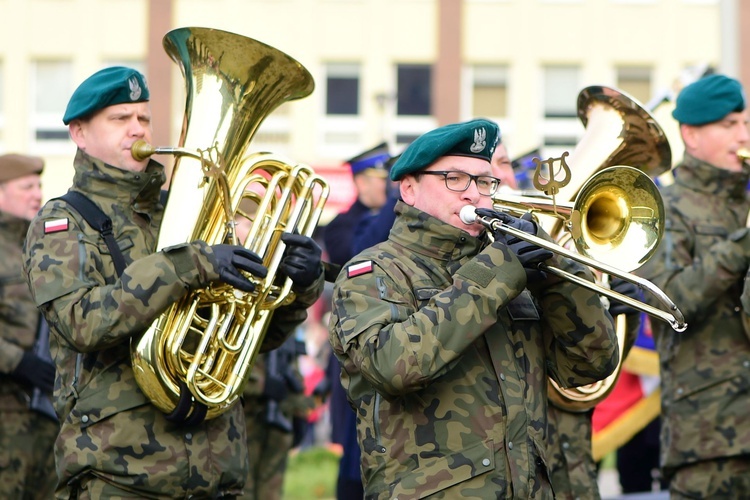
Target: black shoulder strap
[99, 221]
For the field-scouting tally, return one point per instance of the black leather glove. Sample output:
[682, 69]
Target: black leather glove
[230, 259]
[626, 288]
[275, 388]
[301, 261]
[35, 371]
[529, 254]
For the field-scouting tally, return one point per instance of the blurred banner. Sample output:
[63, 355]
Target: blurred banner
[635, 400]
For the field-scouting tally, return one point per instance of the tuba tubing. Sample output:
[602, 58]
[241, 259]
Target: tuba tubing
[194, 360]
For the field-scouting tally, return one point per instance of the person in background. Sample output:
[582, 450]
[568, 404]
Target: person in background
[273, 400]
[446, 337]
[701, 264]
[370, 177]
[503, 167]
[27, 433]
[276, 411]
[114, 443]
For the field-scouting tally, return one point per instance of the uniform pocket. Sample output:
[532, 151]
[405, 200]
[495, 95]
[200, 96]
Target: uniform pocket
[438, 474]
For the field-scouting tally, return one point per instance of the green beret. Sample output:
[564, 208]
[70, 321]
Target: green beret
[13, 166]
[475, 138]
[114, 85]
[708, 100]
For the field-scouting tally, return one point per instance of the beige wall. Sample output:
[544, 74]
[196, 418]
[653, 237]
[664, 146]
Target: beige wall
[597, 35]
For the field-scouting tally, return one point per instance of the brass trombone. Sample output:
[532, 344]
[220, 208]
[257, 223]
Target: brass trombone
[616, 216]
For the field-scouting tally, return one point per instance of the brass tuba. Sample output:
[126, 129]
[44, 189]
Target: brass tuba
[619, 132]
[195, 359]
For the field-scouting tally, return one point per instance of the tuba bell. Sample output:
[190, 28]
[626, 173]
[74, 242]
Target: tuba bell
[619, 132]
[194, 360]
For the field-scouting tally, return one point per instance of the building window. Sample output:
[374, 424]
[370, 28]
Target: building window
[561, 88]
[490, 92]
[414, 90]
[342, 91]
[635, 81]
[51, 81]
[561, 126]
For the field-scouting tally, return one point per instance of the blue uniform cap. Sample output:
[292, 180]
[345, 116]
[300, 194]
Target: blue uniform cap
[476, 138]
[709, 99]
[373, 161]
[114, 85]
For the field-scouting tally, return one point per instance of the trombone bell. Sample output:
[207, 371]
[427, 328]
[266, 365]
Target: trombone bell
[617, 218]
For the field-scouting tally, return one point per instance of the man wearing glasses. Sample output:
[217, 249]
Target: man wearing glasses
[447, 334]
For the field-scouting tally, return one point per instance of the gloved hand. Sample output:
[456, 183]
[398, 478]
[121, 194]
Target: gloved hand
[524, 224]
[230, 259]
[529, 254]
[626, 288]
[275, 388]
[301, 261]
[35, 371]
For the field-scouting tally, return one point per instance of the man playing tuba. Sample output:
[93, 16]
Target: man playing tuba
[113, 441]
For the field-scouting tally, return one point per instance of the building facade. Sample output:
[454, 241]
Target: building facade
[384, 69]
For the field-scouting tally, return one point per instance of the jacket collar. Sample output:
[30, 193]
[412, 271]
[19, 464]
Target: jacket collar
[428, 236]
[701, 176]
[102, 180]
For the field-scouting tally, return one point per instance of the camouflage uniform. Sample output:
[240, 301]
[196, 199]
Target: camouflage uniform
[27, 467]
[705, 380]
[573, 471]
[268, 445]
[111, 434]
[446, 361]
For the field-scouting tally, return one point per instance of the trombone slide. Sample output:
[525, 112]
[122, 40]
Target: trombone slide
[672, 315]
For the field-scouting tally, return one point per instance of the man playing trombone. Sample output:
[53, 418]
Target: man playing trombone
[447, 337]
[701, 263]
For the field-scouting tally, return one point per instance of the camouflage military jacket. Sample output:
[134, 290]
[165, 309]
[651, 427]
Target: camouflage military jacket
[446, 356]
[109, 427]
[18, 313]
[573, 470]
[700, 263]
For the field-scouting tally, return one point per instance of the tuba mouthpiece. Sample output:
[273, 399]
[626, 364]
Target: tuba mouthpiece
[140, 150]
[468, 214]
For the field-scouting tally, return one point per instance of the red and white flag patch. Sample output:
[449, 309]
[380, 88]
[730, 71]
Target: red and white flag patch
[359, 269]
[55, 226]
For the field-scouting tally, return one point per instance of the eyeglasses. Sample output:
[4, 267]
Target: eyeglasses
[458, 181]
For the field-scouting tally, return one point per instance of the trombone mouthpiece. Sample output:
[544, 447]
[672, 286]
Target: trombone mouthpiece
[468, 214]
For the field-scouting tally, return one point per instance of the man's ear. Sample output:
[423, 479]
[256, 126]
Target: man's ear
[407, 185]
[688, 133]
[75, 129]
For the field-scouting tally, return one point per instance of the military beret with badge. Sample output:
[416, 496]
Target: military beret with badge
[13, 166]
[708, 100]
[107, 87]
[476, 138]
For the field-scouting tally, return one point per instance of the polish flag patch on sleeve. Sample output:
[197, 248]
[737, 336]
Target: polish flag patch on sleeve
[359, 269]
[55, 226]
